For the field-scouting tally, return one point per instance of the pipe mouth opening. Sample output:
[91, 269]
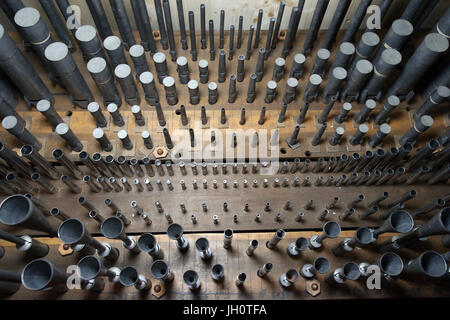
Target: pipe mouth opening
[434, 144]
[242, 277]
[391, 264]
[112, 227]
[83, 155]
[331, 229]
[15, 210]
[351, 271]
[301, 243]
[292, 275]
[228, 233]
[89, 267]
[190, 277]
[26, 150]
[71, 231]
[402, 221]
[159, 269]
[37, 274]
[147, 242]
[218, 269]
[202, 244]
[322, 265]
[174, 231]
[54, 211]
[445, 218]
[254, 243]
[433, 264]
[128, 276]
[364, 235]
[57, 154]
[281, 233]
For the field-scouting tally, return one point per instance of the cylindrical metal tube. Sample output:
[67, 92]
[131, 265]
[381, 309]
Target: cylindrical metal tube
[89, 42]
[16, 127]
[114, 49]
[127, 84]
[44, 166]
[432, 47]
[65, 67]
[123, 23]
[20, 71]
[139, 59]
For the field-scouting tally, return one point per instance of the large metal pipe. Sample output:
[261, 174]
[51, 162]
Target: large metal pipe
[396, 37]
[73, 232]
[33, 28]
[411, 11]
[362, 237]
[330, 230]
[160, 270]
[10, 7]
[89, 43]
[313, 30]
[129, 277]
[127, 84]
[335, 24]
[399, 221]
[439, 96]
[365, 48]
[429, 51]
[91, 267]
[114, 49]
[65, 67]
[175, 232]
[26, 244]
[14, 160]
[123, 23]
[114, 228]
[100, 18]
[148, 243]
[8, 97]
[382, 71]
[16, 127]
[10, 282]
[18, 210]
[143, 24]
[357, 19]
[349, 271]
[101, 74]
[161, 25]
[41, 274]
[428, 263]
[20, 71]
[357, 79]
[437, 225]
[69, 15]
[169, 26]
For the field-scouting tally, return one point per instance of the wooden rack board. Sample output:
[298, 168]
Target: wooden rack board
[236, 199]
[236, 261]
